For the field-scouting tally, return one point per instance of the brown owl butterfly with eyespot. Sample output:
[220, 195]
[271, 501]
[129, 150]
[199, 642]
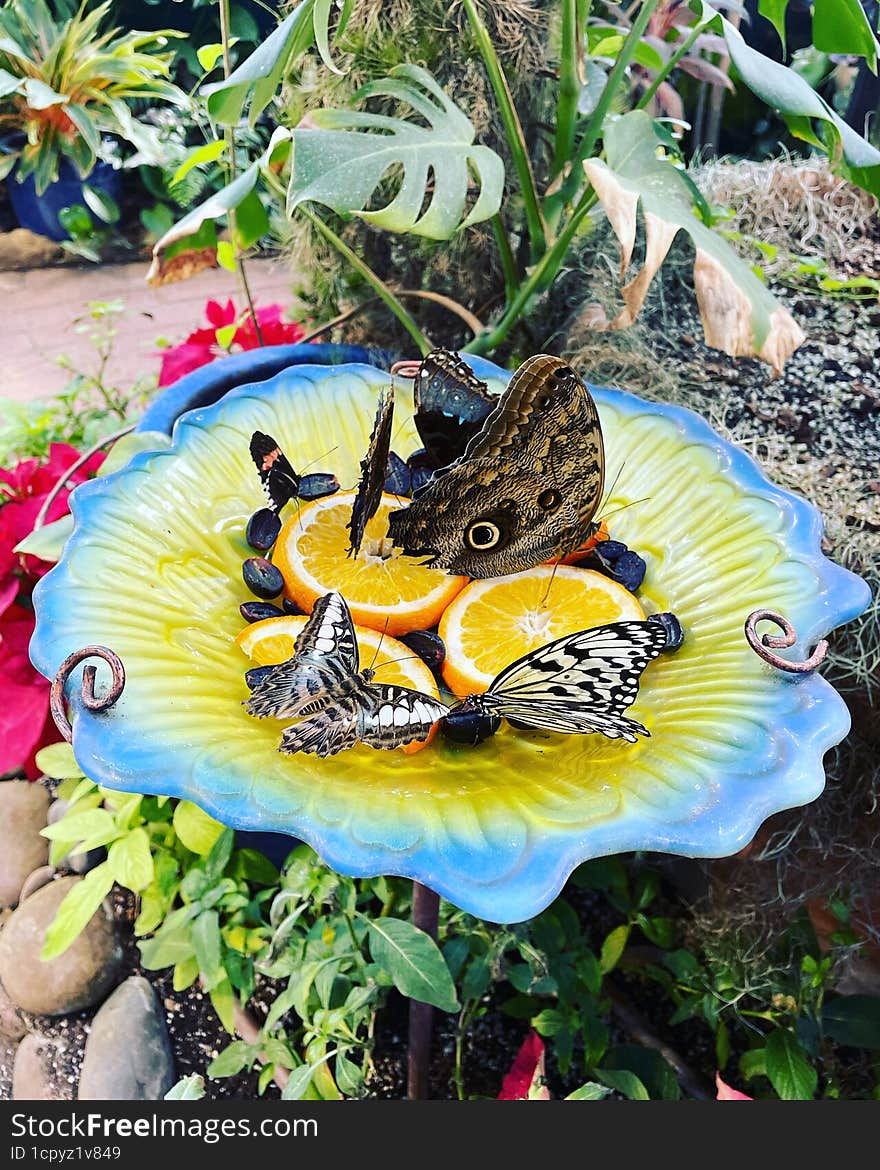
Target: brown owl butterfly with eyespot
[526, 488]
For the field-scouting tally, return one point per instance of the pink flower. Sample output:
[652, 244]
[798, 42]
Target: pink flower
[25, 722]
[525, 1080]
[202, 345]
[726, 1093]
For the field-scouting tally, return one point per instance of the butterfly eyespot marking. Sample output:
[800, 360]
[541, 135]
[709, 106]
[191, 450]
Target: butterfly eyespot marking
[549, 500]
[482, 535]
[561, 372]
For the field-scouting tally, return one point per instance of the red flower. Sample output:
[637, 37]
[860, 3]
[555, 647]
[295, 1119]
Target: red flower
[202, 346]
[725, 1092]
[525, 1080]
[25, 723]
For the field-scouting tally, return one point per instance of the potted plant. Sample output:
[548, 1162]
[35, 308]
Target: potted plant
[65, 83]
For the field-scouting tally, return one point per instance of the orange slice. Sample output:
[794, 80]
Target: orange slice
[380, 584]
[492, 623]
[272, 641]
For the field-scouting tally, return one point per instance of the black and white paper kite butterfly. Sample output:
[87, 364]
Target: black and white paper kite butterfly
[578, 684]
[337, 704]
[280, 482]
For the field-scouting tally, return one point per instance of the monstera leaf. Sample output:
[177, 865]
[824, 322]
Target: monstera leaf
[341, 157]
[739, 315]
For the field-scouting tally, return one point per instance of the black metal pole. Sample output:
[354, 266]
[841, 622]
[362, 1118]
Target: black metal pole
[425, 915]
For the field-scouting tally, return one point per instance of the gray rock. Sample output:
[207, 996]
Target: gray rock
[24, 808]
[78, 978]
[128, 1053]
[33, 1074]
[36, 880]
[79, 862]
[12, 1026]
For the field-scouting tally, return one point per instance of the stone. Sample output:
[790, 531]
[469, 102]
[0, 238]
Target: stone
[21, 248]
[79, 977]
[35, 880]
[12, 1025]
[128, 1052]
[24, 809]
[33, 1076]
[79, 862]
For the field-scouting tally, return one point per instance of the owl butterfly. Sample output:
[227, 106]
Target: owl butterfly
[581, 683]
[374, 469]
[451, 404]
[280, 482]
[337, 704]
[526, 488]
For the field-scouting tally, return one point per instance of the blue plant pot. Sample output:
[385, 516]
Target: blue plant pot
[39, 213]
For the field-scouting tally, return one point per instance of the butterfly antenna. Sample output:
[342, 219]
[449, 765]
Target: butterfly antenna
[556, 565]
[379, 646]
[319, 458]
[609, 492]
[623, 507]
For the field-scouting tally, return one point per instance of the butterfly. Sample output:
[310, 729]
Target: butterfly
[526, 488]
[337, 704]
[280, 482]
[374, 469]
[451, 404]
[578, 684]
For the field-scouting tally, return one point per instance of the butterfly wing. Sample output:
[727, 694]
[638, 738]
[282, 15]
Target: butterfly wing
[527, 487]
[451, 404]
[280, 482]
[325, 655]
[580, 683]
[374, 469]
[331, 730]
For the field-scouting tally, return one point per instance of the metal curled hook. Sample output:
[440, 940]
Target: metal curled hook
[765, 646]
[90, 700]
[407, 368]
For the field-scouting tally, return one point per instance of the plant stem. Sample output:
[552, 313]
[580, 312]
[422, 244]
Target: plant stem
[593, 131]
[669, 66]
[229, 137]
[505, 253]
[569, 88]
[537, 228]
[382, 290]
[425, 915]
[540, 278]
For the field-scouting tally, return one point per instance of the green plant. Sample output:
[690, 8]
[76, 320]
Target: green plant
[574, 157]
[66, 81]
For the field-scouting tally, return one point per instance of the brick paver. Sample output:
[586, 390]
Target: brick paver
[40, 307]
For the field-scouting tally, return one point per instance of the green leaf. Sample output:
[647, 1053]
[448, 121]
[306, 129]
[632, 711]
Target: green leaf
[82, 826]
[321, 20]
[225, 334]
[344, 155]
[842, 26]
[196, 829]
[739, 315]
[103, 205]
[198, 157]
[853, 1020]
[349, 1076]
[47, 543]
[191, 1088]
[253, 866]
[76, 221]
[185, 973]
[591, 1091]
[790, 1073]
[297, 1083]
[125, 449]
[76, 911]
[218, 858]
[168, 948]
[232, 1059]
[414, 962]
[654, 1072]
[130, 860]
[208, 947]
[266, 1074]
[263, 71]
[226, 255]
[209, 55]
[623, 1081]
[223, 1003]
[251, 221]
[57, 761]
[612, 948]
[774, 11]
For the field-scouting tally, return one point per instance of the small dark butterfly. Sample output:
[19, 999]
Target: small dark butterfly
[527, 486]
[336, 703]
[374, 469]
[280, 482]
[578, 684]
[451, 404]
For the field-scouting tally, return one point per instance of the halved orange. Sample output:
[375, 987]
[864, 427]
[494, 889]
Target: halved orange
[491, 623]
[270, 642]
[385, 590]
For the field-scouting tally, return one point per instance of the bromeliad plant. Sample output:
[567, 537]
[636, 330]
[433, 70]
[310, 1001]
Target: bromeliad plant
[66, 81]
[421, 173]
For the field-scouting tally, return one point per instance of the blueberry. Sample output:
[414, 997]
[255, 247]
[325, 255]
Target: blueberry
[629, 571]
[673, 628]
[262, 529]
[290, 606]
[262, 578]
[429, 646]
[317, 484]
[258, 611]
